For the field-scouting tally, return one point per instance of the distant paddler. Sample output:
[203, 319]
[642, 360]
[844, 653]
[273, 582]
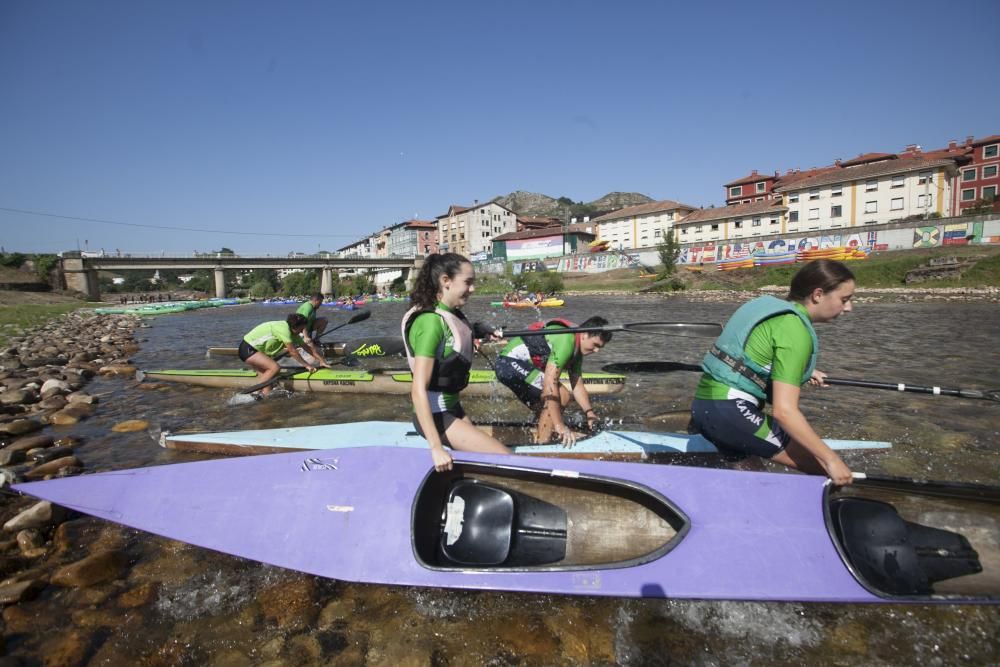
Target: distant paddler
[269, 340]
[531, 367]
[315, 326]
[767, 352]
[439, 349]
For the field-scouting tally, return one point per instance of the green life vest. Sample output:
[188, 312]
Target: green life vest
[728, 361]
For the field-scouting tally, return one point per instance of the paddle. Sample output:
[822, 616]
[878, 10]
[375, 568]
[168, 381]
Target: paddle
[984, 394]
[649, 367]
[358, 317]
[692, 329]
[963, 490]
[376, 346]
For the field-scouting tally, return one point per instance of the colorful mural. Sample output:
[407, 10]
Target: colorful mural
[595, 262]
[926, 237]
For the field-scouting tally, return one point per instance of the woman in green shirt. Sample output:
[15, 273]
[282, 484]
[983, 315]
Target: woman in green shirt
[766, 353]
[439, 349]
[265, 341]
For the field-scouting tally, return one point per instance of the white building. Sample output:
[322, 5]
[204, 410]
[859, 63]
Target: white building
[757, 218]
[469, 231]
[642, 226]
[362, 249]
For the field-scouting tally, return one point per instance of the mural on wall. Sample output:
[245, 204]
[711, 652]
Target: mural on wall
[925, 236]
[596, 262]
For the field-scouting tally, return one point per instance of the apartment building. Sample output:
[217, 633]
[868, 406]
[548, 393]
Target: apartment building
[470, 230]
[642, 226]
[362, 249]
[413, 238]
[758, 218]
[876, 189]
[979, 180]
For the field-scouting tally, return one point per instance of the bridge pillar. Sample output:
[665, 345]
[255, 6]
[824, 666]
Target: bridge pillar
[220, 283]
[81, 278]
[410, 274]
[326, 282]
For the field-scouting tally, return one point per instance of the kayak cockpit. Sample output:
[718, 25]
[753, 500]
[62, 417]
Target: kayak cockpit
[493, 517]
[918, 541]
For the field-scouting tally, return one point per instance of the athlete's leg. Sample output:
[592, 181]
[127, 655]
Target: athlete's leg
[266, 368]
[463, 435]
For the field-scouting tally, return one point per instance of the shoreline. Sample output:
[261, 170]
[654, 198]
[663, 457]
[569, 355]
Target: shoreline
[870, 294]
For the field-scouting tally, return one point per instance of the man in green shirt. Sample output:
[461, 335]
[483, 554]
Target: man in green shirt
[531, 367]
[268, 340]
[315, 326]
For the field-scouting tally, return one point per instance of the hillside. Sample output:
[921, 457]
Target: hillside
[534, 204]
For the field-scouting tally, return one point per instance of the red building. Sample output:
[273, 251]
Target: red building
[979, 180]
[755, 187]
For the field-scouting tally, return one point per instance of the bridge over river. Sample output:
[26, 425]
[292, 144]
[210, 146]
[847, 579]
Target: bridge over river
[80, 272]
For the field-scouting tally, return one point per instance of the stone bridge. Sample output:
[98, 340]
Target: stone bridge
[80, 273]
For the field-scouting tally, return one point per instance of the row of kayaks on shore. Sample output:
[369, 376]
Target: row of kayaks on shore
[382, 515]
[166, 307]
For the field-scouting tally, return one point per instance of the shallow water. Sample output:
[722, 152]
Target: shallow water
[202, 607]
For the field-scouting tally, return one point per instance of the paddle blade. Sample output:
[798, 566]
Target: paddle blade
[360, 317]
[374, 346]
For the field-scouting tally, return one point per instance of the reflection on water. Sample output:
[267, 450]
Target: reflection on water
[184, 605]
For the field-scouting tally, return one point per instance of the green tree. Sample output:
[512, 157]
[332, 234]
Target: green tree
[261, 289]
[668, 251]
[398, 286]
[201, 281]
[300, 283]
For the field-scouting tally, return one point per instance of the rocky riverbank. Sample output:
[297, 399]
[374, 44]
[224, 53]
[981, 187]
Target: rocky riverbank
[43, 379]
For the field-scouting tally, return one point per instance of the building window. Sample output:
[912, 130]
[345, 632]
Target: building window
[924, 201]
[836, 190]
[793, 216]
[814, 214]
[813, 194]
[658, 234]
[898, 181]
[969, 194]
[759, 199]
[761, 187]
[756, 222]
[774, 221]
[969, 174]
[793, 199]
[990, 171]
[925, 177]
[870, 222]
[738, 224]
[896, 204]
[990, 192]
[990, 151]
[835, 211]
[735, 191]
[871, 186]
[871, 207]
[715, 227]
[685, 229]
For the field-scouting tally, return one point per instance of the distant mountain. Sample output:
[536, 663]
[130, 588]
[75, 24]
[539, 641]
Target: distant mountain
[534, 204]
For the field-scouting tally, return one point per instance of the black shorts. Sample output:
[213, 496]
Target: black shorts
[246, 350]
[513, 374]
[442, 420]
[738, 426]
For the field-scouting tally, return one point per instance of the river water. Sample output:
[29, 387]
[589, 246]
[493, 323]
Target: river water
[184, 605]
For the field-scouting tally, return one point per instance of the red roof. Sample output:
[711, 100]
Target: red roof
[992, 139]
[865, 158]
[734, 211]
[643, 209]
[752, 178]
[884, 168]
[579, 230]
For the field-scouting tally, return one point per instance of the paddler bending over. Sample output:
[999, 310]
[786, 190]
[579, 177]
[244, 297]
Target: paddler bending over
[265, 341]
[766, 352]
[439, 349]
[531, 366]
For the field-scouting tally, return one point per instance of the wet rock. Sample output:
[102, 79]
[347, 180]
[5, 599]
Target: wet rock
[290, 605]
[21, 427]
[94, 569]
[304, 649]
[11, 456]
[29, 443]
[52, 403]
[20, 591]
[81, 397]
[39, 515]
[140, 596]
[54, 387]
[337, 610]
[30, 539]
[71, 537]
[8, 477]
[130, 426]
[53, 467]
[123, 370]
[49, 454]
[63, 418]
[67, 441]
[18, 397]
[96, 618]
[69, 649]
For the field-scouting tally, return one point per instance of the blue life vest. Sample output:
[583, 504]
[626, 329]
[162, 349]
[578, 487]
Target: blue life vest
[728, 361]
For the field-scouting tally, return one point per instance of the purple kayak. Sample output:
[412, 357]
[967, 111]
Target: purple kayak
[382, 515]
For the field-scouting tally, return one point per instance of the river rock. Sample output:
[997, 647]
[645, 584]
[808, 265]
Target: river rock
[56, 402]
[54, 387]
[49, 454]
[94, 569]
[81, 397]
[53, 467]
[69, 649]
[130, 426]
[8, 477]
[18, 397]
[30, 539]
[38, 515]
[63, 418]
[20, 591]
[20, 426]
[31, 442]
[290, 605]
[125, 370]
[10, 456]
[140, 596]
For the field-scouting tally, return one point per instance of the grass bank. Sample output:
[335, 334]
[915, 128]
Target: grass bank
[18, 318]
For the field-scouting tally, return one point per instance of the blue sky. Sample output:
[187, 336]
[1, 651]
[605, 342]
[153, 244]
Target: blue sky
[329, 120]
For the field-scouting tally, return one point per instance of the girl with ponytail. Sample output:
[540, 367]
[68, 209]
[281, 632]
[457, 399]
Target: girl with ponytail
[438, 340]
[766, 353]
